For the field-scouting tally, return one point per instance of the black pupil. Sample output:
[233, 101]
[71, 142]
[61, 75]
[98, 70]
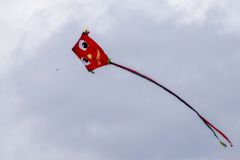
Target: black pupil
[85, 60]
[85, 45]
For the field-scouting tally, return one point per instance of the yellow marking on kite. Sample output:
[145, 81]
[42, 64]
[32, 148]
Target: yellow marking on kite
[85, 30]
[89, 56]
[98, 57]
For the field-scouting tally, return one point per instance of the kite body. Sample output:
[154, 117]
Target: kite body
[90, 53]
[93, 56]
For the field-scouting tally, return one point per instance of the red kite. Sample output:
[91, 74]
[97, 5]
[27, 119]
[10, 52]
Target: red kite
[93, 57]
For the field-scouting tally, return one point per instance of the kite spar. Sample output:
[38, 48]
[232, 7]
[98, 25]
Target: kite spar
[93, 56]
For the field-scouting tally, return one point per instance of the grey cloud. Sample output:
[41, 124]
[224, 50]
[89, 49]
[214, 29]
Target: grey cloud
[72, 114]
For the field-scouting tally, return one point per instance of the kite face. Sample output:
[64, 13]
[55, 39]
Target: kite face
[90, 53]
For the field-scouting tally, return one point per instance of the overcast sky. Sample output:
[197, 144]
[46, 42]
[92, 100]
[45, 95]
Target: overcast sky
[51, 108]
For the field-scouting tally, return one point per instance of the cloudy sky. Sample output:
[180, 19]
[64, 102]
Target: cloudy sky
[51, 108]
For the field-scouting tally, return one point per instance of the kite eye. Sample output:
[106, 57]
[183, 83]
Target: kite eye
[83, 45]
[85, 61]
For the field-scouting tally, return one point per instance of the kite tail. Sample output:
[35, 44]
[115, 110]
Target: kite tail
[205, 121]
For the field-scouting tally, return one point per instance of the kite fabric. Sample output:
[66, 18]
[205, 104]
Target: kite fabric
[93, 57]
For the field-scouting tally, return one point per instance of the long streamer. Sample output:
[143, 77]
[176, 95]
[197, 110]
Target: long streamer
[205, 121]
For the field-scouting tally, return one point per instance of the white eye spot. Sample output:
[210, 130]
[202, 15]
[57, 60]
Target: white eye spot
[85, 61]
[83, 45]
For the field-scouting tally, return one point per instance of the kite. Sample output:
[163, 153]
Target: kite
[93, 57]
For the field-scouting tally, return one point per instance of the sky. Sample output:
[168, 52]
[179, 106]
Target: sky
[53, 109]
